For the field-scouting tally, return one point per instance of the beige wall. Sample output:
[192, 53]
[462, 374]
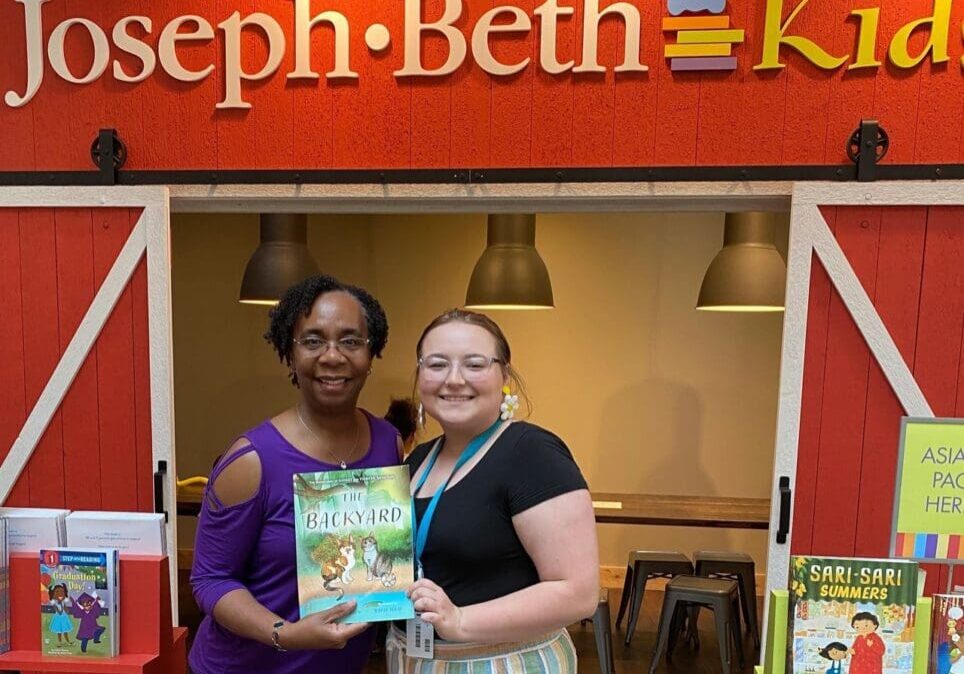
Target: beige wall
[651, 395]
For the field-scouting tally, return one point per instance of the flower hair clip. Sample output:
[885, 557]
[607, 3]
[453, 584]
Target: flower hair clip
[510, 404]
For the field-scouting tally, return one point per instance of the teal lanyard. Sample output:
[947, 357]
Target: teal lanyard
[471, 450]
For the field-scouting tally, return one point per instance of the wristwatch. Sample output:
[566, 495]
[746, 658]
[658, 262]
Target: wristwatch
[275, 636]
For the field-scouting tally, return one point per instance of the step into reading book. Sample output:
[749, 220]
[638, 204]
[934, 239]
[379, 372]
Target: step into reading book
[852, 616]
[79, 602]
[353, 532]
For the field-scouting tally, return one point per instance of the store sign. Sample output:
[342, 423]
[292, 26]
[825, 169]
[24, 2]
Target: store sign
[704, 40]
[929, 498]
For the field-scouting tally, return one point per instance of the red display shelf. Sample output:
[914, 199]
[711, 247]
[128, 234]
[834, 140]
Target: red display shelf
[32, 661]
[148, 642]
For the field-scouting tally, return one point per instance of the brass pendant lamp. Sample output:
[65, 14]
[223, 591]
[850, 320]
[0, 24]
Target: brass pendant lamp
[748, 274]
[281, 260]
[510, 274]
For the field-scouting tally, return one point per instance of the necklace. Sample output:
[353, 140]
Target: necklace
[341, 462]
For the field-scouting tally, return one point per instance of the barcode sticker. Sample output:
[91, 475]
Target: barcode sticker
[420, 638]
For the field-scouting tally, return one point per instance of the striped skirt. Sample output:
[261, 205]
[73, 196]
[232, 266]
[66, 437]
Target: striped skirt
[552, 654]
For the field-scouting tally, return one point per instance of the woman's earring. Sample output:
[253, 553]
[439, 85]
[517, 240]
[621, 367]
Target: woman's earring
[510, 404]
[421, 416]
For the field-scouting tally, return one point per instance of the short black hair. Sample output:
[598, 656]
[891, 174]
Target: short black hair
[865, 615]
[833, 645]
[298, 300]
[403, 415]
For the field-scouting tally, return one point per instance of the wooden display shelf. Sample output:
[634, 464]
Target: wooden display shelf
[149, 644]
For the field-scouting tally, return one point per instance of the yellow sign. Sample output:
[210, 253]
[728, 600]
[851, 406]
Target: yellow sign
[929, 499]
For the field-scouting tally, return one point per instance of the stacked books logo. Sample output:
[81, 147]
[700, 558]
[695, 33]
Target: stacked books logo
[704, 39]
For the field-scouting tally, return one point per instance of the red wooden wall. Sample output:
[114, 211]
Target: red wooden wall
[96, 452]
[909, 261]
[799, 115]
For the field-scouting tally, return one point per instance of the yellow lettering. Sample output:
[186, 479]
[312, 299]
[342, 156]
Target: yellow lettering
[774, 35]
[866, 38]
[940, 23]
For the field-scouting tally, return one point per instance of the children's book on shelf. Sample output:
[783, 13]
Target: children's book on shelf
[4, 588]
[128, 533]
[353, 530]
[947, 635]
[852, 616]
[79, 602]
[32, 529]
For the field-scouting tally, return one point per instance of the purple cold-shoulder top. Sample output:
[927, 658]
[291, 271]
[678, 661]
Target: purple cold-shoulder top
[252, 545]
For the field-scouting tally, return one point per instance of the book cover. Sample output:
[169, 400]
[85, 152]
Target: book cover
[353, 532]
[32, 529]
[4, 588]
[79, 602]
[131, 533]
[947, 635]
[852, 616]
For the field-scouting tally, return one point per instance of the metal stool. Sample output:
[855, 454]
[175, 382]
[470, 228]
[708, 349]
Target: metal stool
[642, 566]
[602, 630]
[717, 594]
[739, 567]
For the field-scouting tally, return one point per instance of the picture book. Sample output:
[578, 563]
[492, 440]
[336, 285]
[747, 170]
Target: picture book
[79, 602]
[947, 635]
[353, 532]
[851, 616]
[129, 533]
[4, 588]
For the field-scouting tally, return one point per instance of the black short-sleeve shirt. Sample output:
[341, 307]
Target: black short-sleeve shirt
[472, 551]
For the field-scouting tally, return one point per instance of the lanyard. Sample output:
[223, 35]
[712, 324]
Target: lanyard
[470, 450]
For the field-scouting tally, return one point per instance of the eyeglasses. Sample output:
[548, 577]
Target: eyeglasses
[346, 345]
[472, 368]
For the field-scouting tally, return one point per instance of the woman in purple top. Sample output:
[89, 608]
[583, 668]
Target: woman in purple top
[244, 576]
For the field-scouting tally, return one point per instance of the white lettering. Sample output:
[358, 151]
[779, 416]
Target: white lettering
[480, 39]
[134, 47]
[33, 25]
[413, 38]
[58, 59]
[167, 47]
[549, 13]
[233, 70]
[304, 22]
[590, 37]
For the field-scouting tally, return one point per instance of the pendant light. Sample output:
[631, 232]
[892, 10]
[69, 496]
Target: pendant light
[510, 274]
[280, 260]
[748, 274]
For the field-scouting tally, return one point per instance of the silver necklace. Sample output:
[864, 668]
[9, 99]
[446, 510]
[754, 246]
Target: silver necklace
[341, 462]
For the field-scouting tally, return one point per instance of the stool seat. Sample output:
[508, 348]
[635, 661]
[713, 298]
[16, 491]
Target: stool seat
[728, 557]
[698, 587]
[667, 557]
[640, 567]
[685, 594]
[740, 567]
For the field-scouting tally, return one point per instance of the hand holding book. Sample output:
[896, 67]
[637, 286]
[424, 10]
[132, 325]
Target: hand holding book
[320, 630]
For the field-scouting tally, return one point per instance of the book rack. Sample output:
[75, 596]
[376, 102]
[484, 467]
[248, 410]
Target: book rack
[774, 649]
[148, 642]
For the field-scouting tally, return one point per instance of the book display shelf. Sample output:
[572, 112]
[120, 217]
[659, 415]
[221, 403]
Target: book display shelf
[148, 642]
[775, 648]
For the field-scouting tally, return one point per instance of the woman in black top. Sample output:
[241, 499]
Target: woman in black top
[511, 554]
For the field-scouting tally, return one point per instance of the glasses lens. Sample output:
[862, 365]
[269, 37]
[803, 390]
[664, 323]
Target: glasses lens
[351, 344]
[310, 343]
[475, 367]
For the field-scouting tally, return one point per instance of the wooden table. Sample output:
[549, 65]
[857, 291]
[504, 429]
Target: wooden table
[189, 500]
[666, 510]
[682, 511]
